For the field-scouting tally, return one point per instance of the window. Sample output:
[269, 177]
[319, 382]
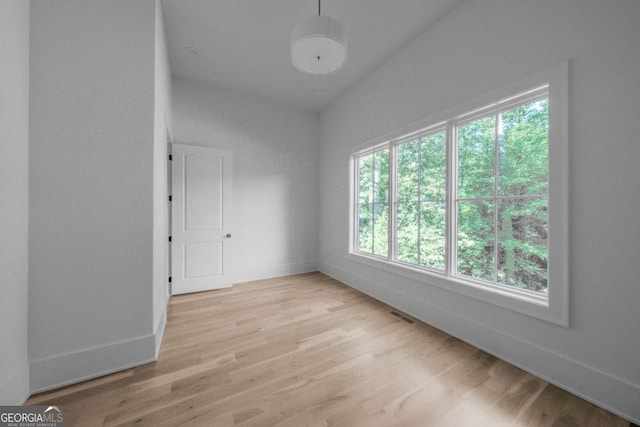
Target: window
[373, 203]
[475, 198]
[421, 183]
[501, 199]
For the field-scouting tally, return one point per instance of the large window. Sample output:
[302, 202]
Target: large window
[470, 198]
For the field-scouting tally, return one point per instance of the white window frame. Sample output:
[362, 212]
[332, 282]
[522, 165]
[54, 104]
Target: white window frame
[554, 306]
[355, 202]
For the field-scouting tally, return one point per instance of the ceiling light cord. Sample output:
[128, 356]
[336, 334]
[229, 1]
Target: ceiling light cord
[319, 14]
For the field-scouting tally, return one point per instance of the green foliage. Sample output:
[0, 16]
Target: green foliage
[476, 239]
[476, 154]
[522, 243]
[523, 150]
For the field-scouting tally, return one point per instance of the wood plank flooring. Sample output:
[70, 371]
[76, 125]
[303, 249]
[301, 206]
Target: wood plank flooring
[306, 350]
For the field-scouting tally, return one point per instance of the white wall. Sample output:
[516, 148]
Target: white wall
[275, 175]
[481, 46]
[161, 132]
[14, 210]
[91, 188]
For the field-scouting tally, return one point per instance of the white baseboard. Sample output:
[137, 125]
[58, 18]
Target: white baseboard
[159, 334]
[65, 369]
[14, 390]
[614, 394]
[278, 270]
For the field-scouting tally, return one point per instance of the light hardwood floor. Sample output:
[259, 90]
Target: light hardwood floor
[306, 350]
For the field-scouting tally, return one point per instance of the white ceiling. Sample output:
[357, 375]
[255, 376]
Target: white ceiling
[243, 45]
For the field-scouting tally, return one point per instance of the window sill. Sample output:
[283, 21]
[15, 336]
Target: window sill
[539, 307]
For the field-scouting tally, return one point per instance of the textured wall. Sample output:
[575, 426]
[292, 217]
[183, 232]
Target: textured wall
[14, 210]
[479, 47]
[91, 188]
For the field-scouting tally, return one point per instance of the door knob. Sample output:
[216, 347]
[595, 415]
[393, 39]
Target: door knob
[228, 236]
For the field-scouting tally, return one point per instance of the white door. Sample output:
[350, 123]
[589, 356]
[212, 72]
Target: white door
[201, 205]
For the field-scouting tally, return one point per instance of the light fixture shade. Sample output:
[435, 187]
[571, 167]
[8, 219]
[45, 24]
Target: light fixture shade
[318, 45]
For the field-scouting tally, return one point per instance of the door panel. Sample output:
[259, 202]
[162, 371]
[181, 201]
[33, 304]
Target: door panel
[203, 192]
[201, 211]
[203, 259]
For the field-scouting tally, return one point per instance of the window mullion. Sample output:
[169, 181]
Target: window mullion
[496, 171]
[419, 201]
[372, 203]
[356, 209]
[451, 182]
[392, 200]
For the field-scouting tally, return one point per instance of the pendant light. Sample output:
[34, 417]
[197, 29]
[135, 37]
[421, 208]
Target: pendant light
[318, 45]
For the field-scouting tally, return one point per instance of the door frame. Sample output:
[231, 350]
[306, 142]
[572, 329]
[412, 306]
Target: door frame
[227, 176]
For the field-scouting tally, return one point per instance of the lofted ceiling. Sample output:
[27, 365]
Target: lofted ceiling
[243, 45]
